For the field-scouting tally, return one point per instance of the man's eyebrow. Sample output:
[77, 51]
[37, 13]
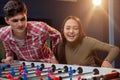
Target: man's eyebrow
[19, 19]
[15, 19]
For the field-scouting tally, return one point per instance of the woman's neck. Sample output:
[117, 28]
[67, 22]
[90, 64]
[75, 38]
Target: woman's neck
[74, 44]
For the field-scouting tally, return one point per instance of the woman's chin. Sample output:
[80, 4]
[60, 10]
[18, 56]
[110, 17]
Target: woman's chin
[71, 40]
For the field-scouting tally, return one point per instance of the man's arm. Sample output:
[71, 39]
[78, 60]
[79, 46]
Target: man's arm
[9, 55]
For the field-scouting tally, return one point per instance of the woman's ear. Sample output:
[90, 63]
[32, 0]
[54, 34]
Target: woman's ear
[6, 20]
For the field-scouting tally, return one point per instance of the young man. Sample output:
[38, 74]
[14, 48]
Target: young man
[26, 39]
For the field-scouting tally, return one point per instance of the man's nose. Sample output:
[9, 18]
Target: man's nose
[20, 23]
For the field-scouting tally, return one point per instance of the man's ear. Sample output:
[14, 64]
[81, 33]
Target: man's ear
[6, 20]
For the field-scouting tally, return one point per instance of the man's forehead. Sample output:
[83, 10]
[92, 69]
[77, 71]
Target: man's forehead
[18, 17]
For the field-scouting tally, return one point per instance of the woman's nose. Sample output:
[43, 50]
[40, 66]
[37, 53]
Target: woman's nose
[71, 30]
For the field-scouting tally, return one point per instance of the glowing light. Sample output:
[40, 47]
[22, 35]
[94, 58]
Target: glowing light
[96, 2]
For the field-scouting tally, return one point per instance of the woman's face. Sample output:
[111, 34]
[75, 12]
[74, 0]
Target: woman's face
[71, 30]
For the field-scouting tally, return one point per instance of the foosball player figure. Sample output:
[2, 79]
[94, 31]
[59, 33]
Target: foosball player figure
[70, 73]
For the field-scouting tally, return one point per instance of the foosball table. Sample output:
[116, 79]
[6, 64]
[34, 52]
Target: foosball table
[22, 70]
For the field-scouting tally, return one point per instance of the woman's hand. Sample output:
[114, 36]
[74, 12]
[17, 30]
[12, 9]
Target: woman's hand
[8, 60]
[106, 64]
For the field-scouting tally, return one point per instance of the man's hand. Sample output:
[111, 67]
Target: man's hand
[8, 60]
[50, 60]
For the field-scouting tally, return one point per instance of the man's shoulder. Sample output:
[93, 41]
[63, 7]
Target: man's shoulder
[36, 26]
[5, 31]
[36, 23]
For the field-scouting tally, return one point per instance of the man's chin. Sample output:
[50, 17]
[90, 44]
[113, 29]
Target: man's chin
[21, 31]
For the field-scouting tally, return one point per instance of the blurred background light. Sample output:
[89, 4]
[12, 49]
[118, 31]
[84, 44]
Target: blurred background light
[96, 2]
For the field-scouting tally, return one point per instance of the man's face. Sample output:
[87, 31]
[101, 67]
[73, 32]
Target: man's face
[18, 23]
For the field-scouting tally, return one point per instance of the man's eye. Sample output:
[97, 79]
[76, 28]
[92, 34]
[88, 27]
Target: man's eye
[23, 19]
[14, 20]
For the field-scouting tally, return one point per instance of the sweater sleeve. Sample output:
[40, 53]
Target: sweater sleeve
[113, 51]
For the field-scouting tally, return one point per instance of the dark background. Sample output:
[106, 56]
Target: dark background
[95, 20]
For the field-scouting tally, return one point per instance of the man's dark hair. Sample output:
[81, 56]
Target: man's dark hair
[13, 7]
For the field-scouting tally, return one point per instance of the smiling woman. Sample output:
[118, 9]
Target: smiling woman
[78, 48]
